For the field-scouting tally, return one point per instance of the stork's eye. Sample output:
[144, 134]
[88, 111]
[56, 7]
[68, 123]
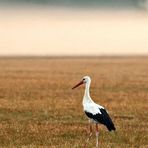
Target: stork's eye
[83, 79]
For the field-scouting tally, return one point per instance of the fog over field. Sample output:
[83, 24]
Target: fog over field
[38, 29]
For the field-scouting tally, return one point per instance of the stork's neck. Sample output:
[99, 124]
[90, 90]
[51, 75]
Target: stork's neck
[87, 97]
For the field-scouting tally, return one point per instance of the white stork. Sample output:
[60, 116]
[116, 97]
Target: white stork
[96, 113]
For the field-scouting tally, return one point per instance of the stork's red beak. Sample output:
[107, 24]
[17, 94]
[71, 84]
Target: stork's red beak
[80, 83]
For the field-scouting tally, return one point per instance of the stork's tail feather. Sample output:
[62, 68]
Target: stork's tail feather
[111, 127]
[107, 120]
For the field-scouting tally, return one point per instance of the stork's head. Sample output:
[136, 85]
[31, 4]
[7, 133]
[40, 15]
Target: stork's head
[85, 80]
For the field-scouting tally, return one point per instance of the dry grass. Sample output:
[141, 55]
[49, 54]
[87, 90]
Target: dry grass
[39, 109]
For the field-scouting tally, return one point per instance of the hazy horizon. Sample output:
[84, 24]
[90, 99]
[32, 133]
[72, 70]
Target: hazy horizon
[43, 30]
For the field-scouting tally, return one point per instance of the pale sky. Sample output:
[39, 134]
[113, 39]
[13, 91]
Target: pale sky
[46, 31]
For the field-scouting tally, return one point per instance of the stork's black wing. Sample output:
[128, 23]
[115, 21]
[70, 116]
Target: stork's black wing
[102, 118]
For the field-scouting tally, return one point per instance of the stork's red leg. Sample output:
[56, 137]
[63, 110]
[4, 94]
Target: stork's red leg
[97, 135]
[90, 130]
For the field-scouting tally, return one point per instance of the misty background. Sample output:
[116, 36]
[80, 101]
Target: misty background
[73, 27]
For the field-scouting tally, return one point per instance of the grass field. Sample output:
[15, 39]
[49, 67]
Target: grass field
[38, 108]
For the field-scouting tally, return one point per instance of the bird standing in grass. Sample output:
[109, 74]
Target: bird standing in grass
[95, 112]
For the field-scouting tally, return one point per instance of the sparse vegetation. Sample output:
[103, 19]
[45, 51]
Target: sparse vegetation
[39, 109]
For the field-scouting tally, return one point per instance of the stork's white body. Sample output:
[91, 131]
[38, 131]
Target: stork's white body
[92, 107]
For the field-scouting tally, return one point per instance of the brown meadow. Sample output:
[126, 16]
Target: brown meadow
[38, 108]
